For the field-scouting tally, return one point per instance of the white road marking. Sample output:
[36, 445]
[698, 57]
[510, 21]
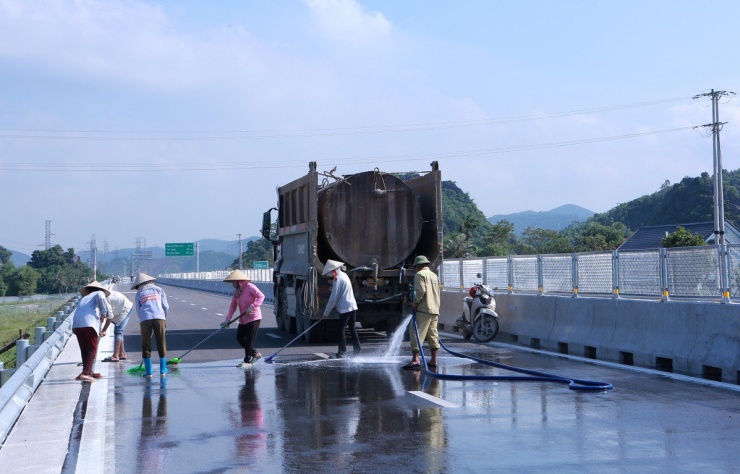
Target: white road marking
[270, 334]
[219, 314]
[433, 399]
[322, 355]
[204, 309]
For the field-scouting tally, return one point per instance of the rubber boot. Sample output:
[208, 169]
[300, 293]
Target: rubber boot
[163, 366]
[148, 368]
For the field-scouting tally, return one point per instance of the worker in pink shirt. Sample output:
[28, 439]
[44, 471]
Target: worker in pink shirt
[248, 299]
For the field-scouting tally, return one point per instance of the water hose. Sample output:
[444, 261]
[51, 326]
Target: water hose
[269, 358]
[531, 375]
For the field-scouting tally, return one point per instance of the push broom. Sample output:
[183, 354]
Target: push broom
[177, 360]
[270, 358]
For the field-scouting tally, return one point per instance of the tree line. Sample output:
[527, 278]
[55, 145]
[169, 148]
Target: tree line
[49, 271]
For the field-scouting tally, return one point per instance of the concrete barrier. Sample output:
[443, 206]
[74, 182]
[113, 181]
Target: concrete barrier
[700, 339]
[215, 286]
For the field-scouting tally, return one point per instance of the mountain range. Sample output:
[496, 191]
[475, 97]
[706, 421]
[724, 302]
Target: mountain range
[555, 219]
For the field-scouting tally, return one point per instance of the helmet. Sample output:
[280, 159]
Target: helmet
[473, 291]
[421, 260]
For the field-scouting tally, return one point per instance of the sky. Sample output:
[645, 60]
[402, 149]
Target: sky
[175, 121]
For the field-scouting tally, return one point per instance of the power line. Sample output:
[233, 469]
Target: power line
[201, 135]
[273, 164]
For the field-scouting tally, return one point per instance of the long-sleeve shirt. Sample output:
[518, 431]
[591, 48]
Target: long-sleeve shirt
[151, 303]
[120, 305]
[342, 297]
[426, 291]
[247, 294]
[90, 310]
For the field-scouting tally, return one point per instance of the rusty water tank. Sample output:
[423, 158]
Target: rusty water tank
[370, 216]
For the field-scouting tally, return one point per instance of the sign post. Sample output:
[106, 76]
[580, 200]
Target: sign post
[179, 249]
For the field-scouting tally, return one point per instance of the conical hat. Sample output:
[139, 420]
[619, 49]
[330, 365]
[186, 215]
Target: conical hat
[142, 278]
[331, 265]
[90, 287]
[237, 275]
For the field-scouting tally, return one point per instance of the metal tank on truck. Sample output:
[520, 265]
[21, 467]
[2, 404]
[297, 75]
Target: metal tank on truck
[375, 222]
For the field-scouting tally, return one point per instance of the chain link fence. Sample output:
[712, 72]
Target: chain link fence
[702, 273]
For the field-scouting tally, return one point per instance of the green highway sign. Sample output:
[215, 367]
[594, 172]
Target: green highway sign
[261, 264]
[179, 250]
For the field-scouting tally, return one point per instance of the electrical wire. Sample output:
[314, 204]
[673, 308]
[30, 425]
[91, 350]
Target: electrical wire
[272, 164]
[200, 135]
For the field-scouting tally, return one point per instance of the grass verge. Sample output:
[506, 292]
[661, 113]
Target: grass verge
[24, 316]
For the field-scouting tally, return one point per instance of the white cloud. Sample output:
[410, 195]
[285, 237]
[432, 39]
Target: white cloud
[348, 21]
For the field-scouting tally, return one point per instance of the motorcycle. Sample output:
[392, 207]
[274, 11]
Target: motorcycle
[479, 318]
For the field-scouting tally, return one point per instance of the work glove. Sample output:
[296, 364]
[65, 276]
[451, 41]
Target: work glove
[250, 309]
[224, 324]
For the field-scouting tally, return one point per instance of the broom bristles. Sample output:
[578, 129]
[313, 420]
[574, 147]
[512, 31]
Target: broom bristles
[134, 370]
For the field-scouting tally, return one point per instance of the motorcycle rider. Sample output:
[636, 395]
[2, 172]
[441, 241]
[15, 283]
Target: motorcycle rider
[426, 304]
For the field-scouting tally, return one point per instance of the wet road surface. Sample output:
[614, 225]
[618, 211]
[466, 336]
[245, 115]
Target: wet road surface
[308, 413]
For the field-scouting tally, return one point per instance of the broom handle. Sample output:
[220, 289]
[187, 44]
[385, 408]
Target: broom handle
[213, 334]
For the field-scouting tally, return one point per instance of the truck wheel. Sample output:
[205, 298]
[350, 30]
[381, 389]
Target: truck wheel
[281, 314]
[485, 328]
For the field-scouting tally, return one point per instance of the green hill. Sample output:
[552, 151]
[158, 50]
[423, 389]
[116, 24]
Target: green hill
[690, 200]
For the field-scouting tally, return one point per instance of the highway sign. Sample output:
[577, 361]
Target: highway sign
[261, 264]
[179, 250]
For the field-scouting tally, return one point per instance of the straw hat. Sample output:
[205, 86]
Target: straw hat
[237, 275]
[142, 278]
[94, 286]
[421, 260]
[330, 266]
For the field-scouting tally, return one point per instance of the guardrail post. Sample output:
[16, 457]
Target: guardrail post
[39, 335]
[664, 283]
[540, 277]
[50, 323]
[575, 274]
[510, 273]
[60, 315]
[615, 273]
[21, 346]
[724, 274]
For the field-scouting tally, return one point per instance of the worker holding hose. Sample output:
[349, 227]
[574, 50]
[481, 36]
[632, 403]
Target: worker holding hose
[248, 298]
[426, 304]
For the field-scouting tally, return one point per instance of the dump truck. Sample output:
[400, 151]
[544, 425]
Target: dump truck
[375, 222]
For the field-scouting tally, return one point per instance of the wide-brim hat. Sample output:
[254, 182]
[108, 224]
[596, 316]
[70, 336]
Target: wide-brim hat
[330, 266]
[421, 260]
[94, 286]
[237, 275]
[142, 278]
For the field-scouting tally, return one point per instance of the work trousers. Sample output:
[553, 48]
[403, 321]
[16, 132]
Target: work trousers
[88, 340]
[427, 325]
[350, 317]
[246, 334]
[158, 327]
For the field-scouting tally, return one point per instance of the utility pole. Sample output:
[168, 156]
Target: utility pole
[240, 252]
[719, 200]
[94, 257]
[47, 244]
[197, 258]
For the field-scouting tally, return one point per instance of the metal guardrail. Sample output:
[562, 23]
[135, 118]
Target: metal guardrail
[701, 273]
[33, 363]
[254, 274]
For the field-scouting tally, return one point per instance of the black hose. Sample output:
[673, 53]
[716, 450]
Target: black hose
[532, 375]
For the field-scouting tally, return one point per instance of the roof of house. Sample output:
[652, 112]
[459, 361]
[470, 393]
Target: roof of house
[650, 237]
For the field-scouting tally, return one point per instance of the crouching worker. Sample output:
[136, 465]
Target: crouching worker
[248, 299]
[426, 304]
[88, 317]
[151, 306]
